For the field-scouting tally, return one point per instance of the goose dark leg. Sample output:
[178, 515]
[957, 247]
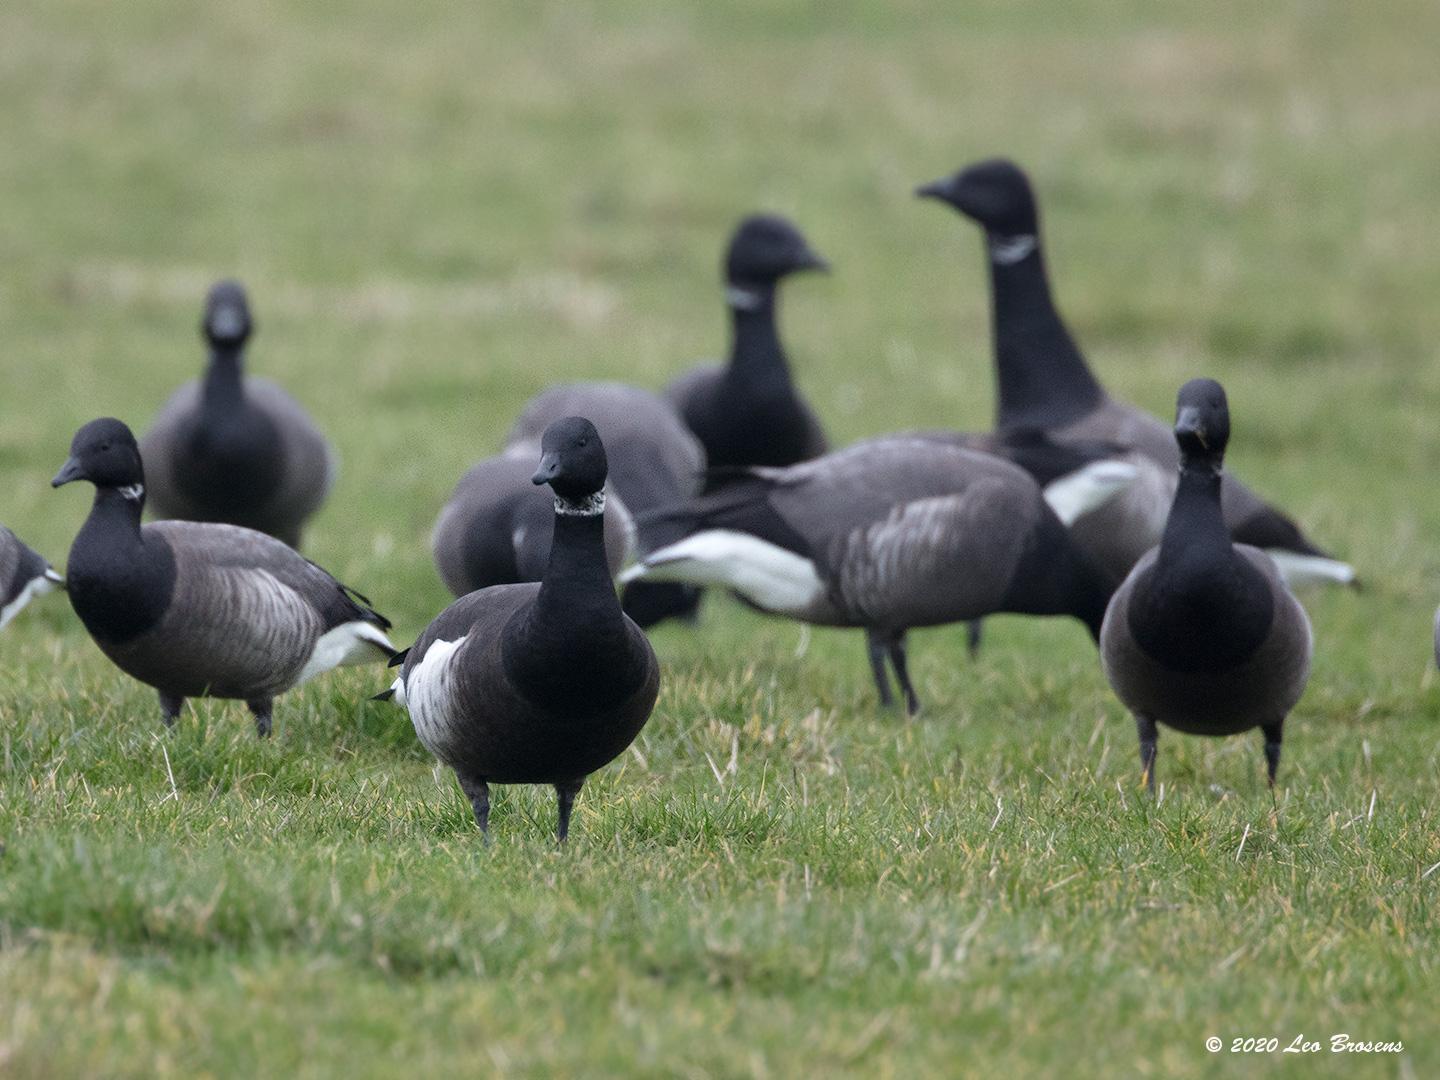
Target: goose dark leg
[262, 708]
[478, 792]
[902, 674]
[170, 706]
[875, 643]
[1272, 749]
[973, 630]
[567, 793]
[1148, 737]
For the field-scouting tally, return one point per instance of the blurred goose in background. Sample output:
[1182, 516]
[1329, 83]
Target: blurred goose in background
[748, 412]
[232, 448]
[1203, 636]
[537, 683]
[1045, 384]
[654, 462]
[197, 609]
[24, 575]
[496, 528]
[886, 535]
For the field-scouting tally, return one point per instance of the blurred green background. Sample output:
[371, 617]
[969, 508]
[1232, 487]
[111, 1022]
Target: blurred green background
[439, 210]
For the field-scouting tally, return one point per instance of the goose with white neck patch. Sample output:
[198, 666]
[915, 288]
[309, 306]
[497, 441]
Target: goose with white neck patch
[749, 412]
[1044, 383]
[1203, 636]
[497, 526]
[24, 575]
[537, 683]
[654, 461]
[232, 448]
[201, 609]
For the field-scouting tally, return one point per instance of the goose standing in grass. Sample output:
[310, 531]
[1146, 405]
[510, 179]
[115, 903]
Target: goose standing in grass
[886, 535]
[236, 449]
[537, 683]
[496, 528]
[199, 609]
[748, 412]
[1203, 636]
[24, 575]
[1045, 384]
[654, 462]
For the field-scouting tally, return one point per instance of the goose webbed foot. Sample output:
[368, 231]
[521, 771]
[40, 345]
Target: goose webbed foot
[262, 708]
[1149, 736]
[566, 794]
[478, 792]
[170, 706]
[973, 631]
[1272, 734]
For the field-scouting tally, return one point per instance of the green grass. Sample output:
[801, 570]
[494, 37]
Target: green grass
[438, 213]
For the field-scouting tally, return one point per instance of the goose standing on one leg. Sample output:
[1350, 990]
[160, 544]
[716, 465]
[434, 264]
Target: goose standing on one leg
[1203, 636]
[537, 683]
[24, 575]
[749, 411]
[884, 535]
[496, 528]
[654, 461]
[198, 609]
[235, 449]
[1045, 384]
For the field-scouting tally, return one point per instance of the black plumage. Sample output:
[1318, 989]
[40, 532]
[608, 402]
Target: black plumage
[497, 525]
[1203, 635]
[654, 462]
[886, 535]
[537, 683]
[202, 609]
[749, 411]
[232, 448]
[1045, 384]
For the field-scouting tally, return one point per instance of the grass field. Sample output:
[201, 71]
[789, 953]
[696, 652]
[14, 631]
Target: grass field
[437, 214]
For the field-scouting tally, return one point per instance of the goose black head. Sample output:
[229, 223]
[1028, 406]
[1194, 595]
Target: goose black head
[996, 194]
[104, 452]
[1202, 422]
[572, 459]
[227, 319]
[765, 248]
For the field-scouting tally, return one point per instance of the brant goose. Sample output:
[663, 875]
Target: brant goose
[198, 609]
[24, 575]
[234, 449]
[1045, 383]
[887, 535]
[1203, 636]
[654, 461]
[537, 683]
[496, 528]
[749, 412]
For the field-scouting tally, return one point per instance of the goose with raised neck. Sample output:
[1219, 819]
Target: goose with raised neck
[1203, 635]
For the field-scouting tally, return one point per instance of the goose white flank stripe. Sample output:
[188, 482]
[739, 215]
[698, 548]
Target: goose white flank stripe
[348, 644]
[34, 587]
[1299, 569]
[1088, 489]
[776, 579]
[427, 692]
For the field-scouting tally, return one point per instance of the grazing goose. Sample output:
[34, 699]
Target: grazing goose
[749, 412]
[1203, 636]
[537, 683]
[24, 575]
[235, 449]
[1045, 383]
[496, 528]
[654, 462]
[886, 535]
[197, 609]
